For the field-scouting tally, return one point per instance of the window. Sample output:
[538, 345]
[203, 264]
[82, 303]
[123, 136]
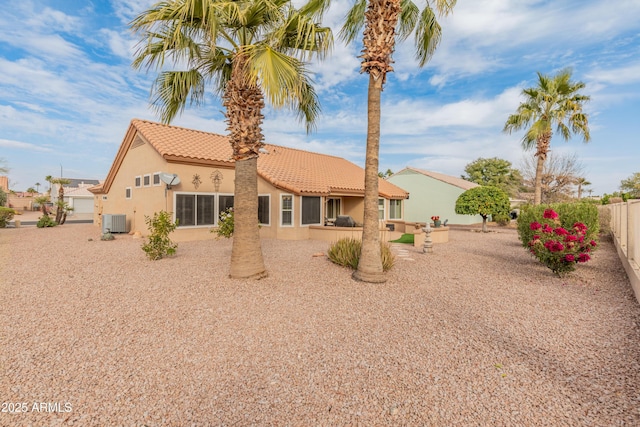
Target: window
[127, 192]
[395, 209]
[286, 209]
[205, 208]
[264, 210]
[185, 209]
[380, 208]
[195, 209]
[224, 202]
[104, 197]
[332, 209]
[156, 179]
[138, 180]
[146, 180]
[310, 210]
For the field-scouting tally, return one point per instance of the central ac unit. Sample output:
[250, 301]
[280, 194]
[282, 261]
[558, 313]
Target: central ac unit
[114, 223]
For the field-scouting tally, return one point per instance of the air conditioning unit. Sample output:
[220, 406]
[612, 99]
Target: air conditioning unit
[114, 223]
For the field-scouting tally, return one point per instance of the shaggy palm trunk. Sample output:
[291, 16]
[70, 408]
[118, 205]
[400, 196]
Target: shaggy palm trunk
[370, 264]
[60, 205]
[541, 154]
[244, 103]
[379, 41]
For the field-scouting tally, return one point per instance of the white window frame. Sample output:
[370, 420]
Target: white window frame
[384, 209]
[269, 205]
[293, 208]
[144, 177]
[154, 177]
[301, 211]
[127, 193]
[391, 208]
[325, 207]
[137, 181]
[195, 207]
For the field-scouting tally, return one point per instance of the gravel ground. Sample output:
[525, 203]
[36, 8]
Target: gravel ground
[477, 333]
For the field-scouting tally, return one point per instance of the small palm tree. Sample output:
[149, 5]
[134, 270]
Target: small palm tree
[581, 182]
[382, 20]
[37, 184]
[555, 101]
[250, 50]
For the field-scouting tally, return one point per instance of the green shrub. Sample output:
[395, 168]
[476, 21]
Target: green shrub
[346, 252]
[6, 215]
[159, 244]
[604, 217]
[225, 224]
[501, 219]
[569, 213]
[45, 221]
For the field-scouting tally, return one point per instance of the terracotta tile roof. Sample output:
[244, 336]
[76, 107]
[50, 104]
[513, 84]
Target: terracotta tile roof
[458, 182]
[173, 142]
[298, 171]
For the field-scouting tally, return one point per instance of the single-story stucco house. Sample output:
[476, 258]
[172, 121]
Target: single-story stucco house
[300, 192]
[433, 194]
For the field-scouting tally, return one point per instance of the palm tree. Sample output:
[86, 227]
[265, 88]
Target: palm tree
[48, 178]
[382, 20]
[37, 184]
[249, 50]
[554, 101]
[581, 182]
[60, 204]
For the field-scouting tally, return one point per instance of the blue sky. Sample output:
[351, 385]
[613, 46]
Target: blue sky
[68, 92]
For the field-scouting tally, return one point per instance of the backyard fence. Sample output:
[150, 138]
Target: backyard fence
[625, 226]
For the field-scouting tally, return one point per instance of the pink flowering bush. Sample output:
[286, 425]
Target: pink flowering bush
[559, 248]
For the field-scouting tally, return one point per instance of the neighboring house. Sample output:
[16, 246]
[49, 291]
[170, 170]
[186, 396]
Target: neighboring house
[77, 196]
[432, 194]
[298, 190]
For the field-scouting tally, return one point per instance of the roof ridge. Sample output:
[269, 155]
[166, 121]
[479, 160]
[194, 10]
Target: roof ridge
[307, 151]
[227, 136]
[177, 127]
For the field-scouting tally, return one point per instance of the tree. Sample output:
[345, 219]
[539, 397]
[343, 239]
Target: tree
[61, 207]
[631, 186]
[385, 175]
[558, 176]
[483, 201]
[494, 172]
[581, 182]
[382, 20]
[37, 184]
[4, 169]
[3, 197]
[31, 191]
[42, 201]
[48, 178]
[554, 101]
[249, 50]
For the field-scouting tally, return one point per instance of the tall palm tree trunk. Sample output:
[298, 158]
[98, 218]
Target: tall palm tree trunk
[370, 264]
[541, 154]
[244, 103]
[246, 252]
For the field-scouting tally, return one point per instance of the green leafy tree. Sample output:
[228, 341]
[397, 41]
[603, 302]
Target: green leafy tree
[555, 101]
[4, 169]
[631, 186]
[382, 21]
[3, 197]
[159, 245]
[483, 201]
[494, 172]
[250, 50]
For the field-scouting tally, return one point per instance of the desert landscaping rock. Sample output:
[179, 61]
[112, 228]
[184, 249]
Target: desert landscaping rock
[476, 333]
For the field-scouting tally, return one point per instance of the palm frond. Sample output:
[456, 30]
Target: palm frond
[353, 21]
[173, 89]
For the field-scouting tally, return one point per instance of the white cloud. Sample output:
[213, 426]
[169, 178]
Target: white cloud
[7, 143]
